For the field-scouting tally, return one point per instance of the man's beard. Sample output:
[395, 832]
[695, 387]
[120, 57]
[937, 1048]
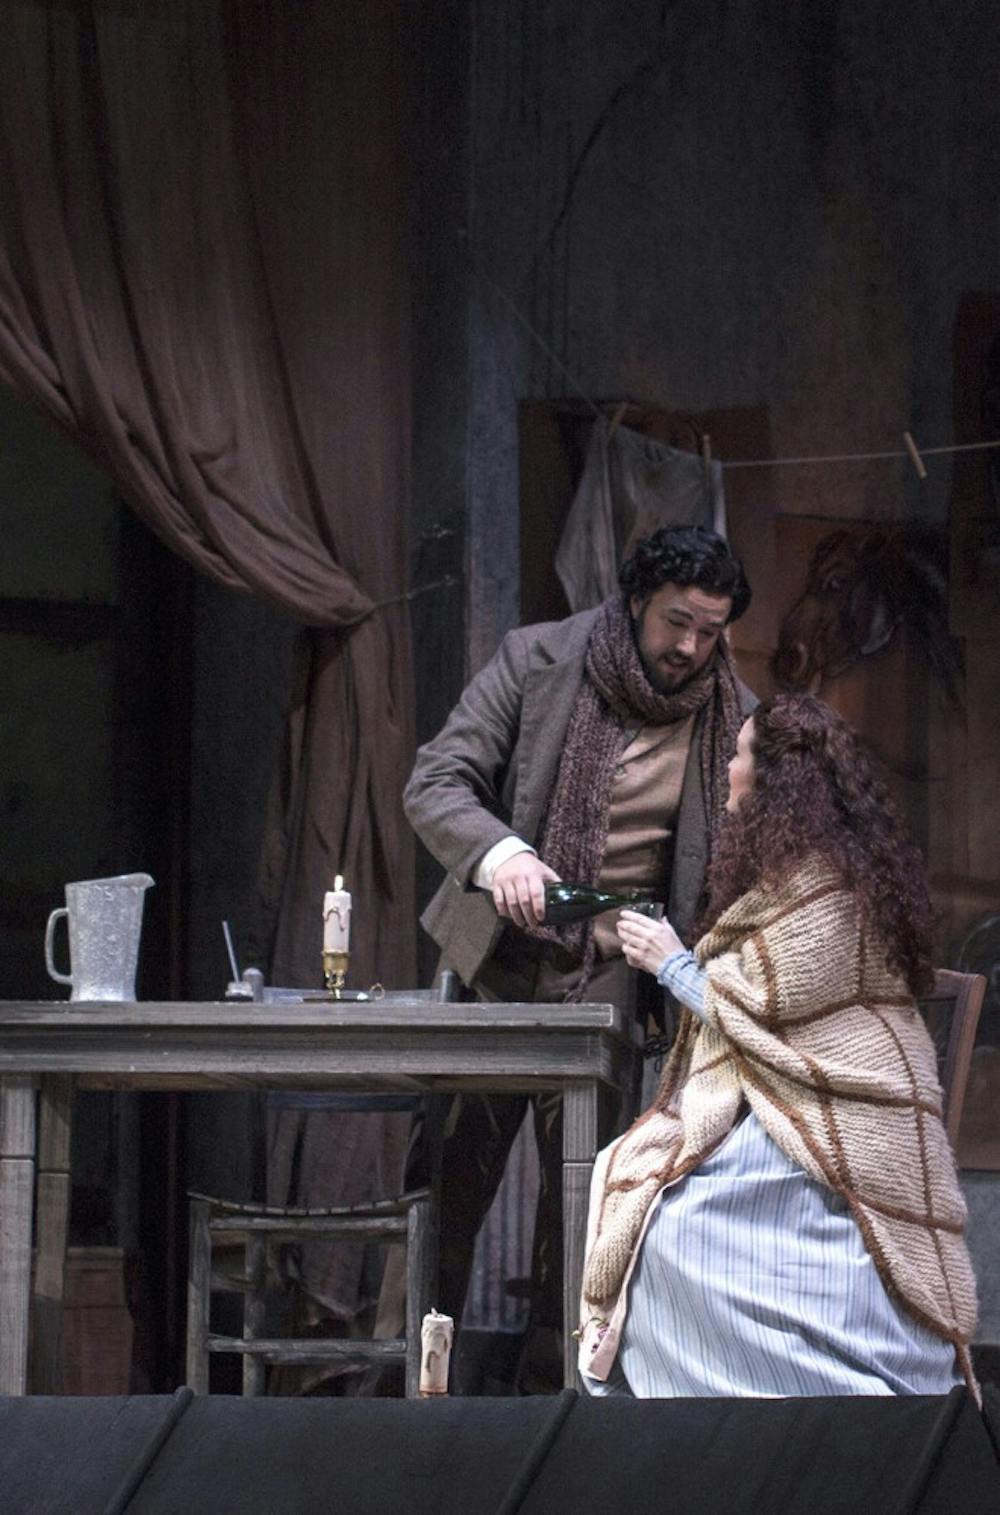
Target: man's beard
[667, 678]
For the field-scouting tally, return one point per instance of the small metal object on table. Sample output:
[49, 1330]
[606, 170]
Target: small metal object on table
[383, 1046]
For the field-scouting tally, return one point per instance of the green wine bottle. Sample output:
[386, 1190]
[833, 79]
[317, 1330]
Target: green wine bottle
[566, 903]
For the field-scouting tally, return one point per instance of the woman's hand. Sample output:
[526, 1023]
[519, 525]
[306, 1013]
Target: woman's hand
[646, 942]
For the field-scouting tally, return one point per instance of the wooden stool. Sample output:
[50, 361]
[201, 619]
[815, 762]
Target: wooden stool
[405, 1220]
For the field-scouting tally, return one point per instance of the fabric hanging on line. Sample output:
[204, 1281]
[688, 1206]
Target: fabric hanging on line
[630, 486]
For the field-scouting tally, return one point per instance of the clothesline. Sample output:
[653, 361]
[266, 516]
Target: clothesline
[856, 457]
[912, 451]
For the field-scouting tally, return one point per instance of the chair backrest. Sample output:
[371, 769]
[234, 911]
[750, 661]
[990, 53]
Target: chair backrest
[951, 1011]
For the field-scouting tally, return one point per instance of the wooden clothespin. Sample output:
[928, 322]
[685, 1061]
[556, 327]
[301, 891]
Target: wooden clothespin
[617, 418]
[706, 459]
[917, 460]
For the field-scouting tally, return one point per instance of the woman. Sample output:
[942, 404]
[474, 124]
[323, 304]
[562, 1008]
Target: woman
[786, 1218]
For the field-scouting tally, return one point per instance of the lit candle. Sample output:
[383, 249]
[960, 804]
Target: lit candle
[337, 918]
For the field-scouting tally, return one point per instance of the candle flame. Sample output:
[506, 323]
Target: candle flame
[338, 882]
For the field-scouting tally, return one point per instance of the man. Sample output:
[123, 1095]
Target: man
[594, 750]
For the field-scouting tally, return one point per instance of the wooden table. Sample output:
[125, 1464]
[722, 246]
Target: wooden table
[402, 1046]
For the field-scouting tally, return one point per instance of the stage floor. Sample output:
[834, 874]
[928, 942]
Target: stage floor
[537, 1456]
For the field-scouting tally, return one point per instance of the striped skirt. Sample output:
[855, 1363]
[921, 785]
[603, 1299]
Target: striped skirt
[753, 1280]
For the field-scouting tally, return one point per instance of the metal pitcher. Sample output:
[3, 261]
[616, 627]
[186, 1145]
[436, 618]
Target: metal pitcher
[104, 917]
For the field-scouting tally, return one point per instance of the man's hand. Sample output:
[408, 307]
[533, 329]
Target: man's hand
[519, 888]
[646, 942]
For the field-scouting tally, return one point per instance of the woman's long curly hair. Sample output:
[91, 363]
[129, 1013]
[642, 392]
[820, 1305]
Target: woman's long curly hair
[815, 793]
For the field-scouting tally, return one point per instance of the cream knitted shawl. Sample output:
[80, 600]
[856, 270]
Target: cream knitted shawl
[805, 1021]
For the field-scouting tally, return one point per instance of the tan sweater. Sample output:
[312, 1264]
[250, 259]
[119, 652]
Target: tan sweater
[807, 1023]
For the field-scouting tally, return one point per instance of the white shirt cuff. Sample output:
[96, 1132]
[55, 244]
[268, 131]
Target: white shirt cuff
[490, 861]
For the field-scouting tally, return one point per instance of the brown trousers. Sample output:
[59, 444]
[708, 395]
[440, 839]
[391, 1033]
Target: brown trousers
[482, 1128]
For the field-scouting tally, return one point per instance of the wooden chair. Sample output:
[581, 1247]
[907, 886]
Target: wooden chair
[951, 1011]
[408, 1220]
[214, 1223]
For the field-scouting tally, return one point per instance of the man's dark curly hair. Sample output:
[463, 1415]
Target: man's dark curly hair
[816, 793]
[686, 555]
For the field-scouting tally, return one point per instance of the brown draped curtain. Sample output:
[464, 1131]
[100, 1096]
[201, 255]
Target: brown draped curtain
[203, 281]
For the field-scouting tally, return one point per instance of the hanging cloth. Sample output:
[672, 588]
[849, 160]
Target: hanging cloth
[630, 486]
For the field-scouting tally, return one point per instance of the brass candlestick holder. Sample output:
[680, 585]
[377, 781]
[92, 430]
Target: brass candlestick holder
[335, 971]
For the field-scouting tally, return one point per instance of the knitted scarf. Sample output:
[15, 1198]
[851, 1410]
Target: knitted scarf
[804, 1020]
[614, 695]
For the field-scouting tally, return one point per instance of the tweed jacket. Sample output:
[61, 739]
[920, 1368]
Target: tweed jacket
[489, 773]
[803, 1020]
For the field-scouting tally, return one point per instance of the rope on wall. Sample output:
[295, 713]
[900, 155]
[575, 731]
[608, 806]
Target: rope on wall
[915, 454]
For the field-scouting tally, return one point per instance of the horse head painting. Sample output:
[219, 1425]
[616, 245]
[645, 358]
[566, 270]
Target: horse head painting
[869, 629]
[865, 587]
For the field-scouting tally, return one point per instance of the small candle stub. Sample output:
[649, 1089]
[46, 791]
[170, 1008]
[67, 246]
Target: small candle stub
[436, 1336]
[337, 918]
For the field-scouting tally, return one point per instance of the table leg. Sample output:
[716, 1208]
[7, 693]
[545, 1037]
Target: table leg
[579, 1151]
[199, 1295]
[55, 1126]
[17, 1185]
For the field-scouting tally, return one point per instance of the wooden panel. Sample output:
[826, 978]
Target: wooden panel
[576, 1193]
[17, 1182]
[421, 1284]
[983, 696]
[974, 588]
[198, 1295]
[979, 1134]
[17, 1115]
[394, 1014]
[52, 1222]
[374, 1227]
[516, 1047]
[254, 1308]
[580, 1123]
[319, 1349]
[96, 1331]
